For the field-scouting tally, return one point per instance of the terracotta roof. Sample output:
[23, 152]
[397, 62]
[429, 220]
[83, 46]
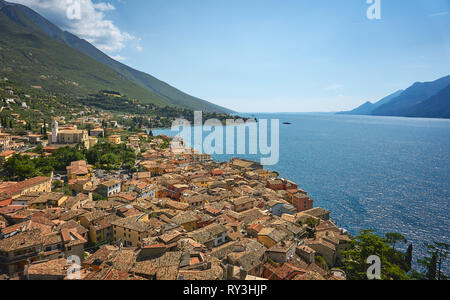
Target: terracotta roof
[133, 223]
[19, 187]
[21, 241]
[78, 168]
[208, 233]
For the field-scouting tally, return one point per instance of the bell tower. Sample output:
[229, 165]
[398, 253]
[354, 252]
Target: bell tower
[55, 130]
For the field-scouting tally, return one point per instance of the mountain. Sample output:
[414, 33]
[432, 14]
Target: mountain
[94, 69]
[422, 99]
[414, 95]
[438, 106]
[29, 57]
[365, 109]
[368, 107]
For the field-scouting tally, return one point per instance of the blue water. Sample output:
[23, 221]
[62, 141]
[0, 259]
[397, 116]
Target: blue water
[381, 173]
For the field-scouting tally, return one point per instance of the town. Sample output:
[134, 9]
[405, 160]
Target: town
[94, 199]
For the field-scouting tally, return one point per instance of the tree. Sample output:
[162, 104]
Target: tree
[432, 268]
[312, 222]
[393, 237]
[366, 244]
[20, 167]
[320, 261]
[432, 264]
[409, 256]
[58, 184]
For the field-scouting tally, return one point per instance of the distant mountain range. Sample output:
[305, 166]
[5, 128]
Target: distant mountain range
[422, 99]
[36, 52]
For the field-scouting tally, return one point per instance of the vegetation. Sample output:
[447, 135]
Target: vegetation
[63, 63]
[109, 157]
[22, 167]
[395, 265]
[104, 156]
[392, 238]
[433, 263]
[32, 58]
[320, 261]
[366, 244]
[311, 224]
[148, 115]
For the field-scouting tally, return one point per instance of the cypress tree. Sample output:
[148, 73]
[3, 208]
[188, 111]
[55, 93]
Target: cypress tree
[409, 256]
[433, 267]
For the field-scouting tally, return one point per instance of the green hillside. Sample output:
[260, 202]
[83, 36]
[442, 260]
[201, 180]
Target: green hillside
[25, 31]
[28, 57]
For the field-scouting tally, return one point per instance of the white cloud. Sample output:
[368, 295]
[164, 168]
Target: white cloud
[334, 87]
[92, 24]
[104, 6]
[444, 13]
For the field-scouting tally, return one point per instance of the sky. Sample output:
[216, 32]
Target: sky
[269, 55]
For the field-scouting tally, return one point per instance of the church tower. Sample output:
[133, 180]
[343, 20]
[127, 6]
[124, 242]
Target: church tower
[55, 130]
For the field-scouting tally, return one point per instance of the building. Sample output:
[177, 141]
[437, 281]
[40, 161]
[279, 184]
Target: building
[56, 269]
[97, 132]
[245, 165]
[101, 231]
[67, 136]
[301, 202]
[114, 139]
[109, 188]
[34, 138]
[24, 248]
[36, 184]
[79, 170]
[131, 231]
[211, 236]
[5, 200]
[307, 253]
[186, 219]
[6, 155]
[5, 141]
[17, 251]
[279, 208]
[48, 200]
[88, 219]
[269, 237]
[324, 248]
[92, 142]
[318, 213]
[282, 252]
[242, 203]
[134, 141]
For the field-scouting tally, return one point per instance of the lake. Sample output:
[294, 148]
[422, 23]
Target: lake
[382, 173]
